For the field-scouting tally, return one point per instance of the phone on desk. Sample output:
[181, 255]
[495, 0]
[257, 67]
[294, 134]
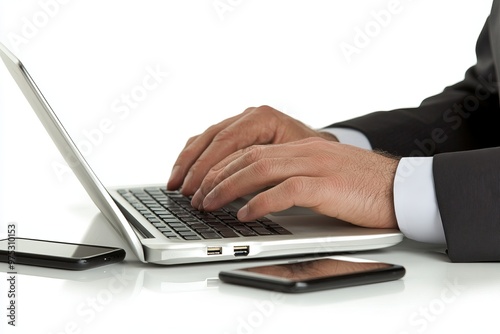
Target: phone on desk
[314, 275]
[54, 254]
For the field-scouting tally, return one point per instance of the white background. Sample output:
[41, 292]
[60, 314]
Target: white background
[84, 55]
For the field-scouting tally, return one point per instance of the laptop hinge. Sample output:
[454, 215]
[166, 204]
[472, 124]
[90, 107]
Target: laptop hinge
[136, 224]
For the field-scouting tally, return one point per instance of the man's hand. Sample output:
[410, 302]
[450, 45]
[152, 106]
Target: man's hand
[334, 179]
[255, 126]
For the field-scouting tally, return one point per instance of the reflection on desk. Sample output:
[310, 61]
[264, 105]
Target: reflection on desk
[435, 296]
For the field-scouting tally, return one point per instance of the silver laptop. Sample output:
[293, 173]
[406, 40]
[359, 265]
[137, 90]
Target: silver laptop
[161, 227]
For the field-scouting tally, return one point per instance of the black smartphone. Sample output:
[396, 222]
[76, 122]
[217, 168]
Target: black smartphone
[313, 275]
[54, 254]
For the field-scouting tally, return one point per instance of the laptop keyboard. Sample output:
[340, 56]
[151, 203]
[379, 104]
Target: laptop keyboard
[172, 214]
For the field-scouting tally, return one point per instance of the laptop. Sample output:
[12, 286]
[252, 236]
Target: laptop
[161, 227]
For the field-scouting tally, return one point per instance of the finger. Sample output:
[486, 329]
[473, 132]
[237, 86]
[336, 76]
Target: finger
[264, 125]
[228, 166]
[208, 182]
[242, 133]
[180, 166]
[192, 151]
[296, 191]
[261, 174]
[242, 159]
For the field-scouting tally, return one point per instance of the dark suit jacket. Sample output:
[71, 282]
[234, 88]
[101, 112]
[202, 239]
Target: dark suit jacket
[461, 128]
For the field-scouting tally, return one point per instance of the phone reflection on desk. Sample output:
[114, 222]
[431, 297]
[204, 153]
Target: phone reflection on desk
[306, 270]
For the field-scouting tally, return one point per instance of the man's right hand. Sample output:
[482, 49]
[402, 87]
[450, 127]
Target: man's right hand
[255, 126]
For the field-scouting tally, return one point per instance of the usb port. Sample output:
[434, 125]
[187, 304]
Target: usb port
[241, 250]
[214, 250]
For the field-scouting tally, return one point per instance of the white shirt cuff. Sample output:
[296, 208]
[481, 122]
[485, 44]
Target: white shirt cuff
[415, 201]
[350, 137]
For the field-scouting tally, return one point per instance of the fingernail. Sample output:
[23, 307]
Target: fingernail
[243, 213]
[196, 200]
[187, 180]
[174, 173]
[209, 199]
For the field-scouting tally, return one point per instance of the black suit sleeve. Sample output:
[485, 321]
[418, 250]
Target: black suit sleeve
[468, 192]
[460, 128]
[464, 116]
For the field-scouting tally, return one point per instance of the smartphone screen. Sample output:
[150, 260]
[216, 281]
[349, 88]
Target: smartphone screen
[58, 254]
[313, 275]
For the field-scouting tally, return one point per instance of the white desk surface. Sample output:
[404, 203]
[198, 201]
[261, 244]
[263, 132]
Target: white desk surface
[435, 296]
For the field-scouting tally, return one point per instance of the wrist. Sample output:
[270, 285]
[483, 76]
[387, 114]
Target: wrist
[387, 208]
[327, 136]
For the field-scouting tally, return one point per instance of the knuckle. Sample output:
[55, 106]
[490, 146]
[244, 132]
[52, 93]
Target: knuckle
[212, 129]
[252, 153]
[261, 202]
[210, 176]
[186, 154]
[256, 114]
[304, 191]
[265, 201]
[294, 186]
[217, 177]
[198, 169]
[264, 109]
[262, 167]
[225, 136]
[192, 139]
[249, 110]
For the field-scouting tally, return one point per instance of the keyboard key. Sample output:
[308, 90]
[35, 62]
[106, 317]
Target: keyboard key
[210, 235]
[281, 230]
[172, 214]
[167, 215]
[262, 231]
[198, 226]
[253, 224]
[176, 225]
[191, 237]
[228, 233]
[187, 233]
[203, 230]
[246, 232]
[204, 215]
[161, 211]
